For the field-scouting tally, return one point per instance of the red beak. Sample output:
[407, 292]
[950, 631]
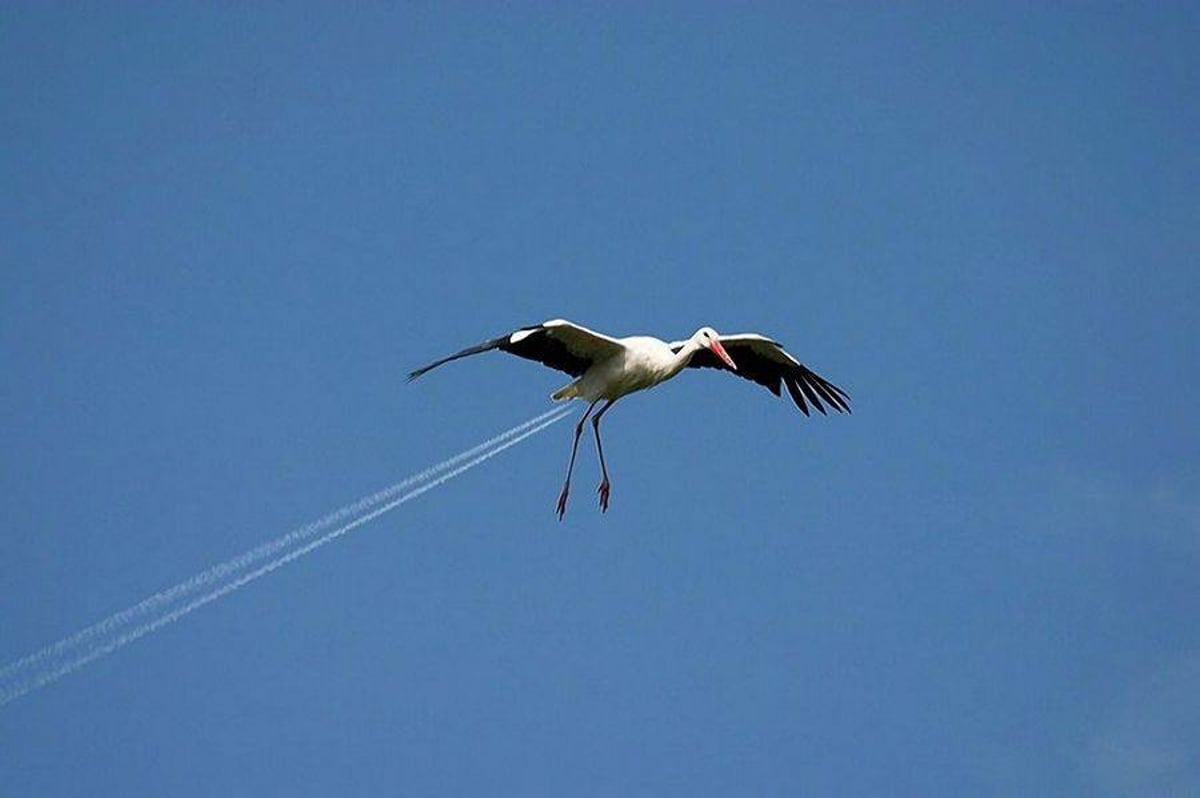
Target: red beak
[720, 352]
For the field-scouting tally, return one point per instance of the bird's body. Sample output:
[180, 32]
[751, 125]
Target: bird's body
[607, 369]
[641, 362]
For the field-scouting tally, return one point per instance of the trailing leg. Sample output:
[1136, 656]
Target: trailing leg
[605, 487]
[562, 497]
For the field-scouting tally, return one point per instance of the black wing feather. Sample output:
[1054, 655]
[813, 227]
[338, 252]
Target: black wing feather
[797, 397]
[811, 395]
[760, 370]
[833, 395]
[537, 345]
[805, 386]
[547, 350]
[470, 350]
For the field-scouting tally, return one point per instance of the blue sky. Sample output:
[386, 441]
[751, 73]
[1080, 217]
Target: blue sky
[228, 233]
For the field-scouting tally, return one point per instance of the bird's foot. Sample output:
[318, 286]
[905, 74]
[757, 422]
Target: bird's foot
[603, 491]
[562, 501]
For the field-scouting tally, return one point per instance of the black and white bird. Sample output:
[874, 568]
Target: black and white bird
[607, 368]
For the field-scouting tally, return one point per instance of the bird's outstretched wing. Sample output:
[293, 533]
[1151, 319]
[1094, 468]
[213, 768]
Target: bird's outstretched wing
[557, 343]
[764, 361]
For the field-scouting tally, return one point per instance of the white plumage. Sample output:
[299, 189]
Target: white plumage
[607, 368]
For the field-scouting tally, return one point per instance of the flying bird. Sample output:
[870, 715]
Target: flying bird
[607, 368]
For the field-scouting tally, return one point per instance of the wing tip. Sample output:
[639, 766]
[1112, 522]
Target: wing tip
[793, 390]
[818, 392]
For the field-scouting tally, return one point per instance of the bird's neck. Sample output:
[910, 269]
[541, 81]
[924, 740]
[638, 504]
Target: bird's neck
[683, 357]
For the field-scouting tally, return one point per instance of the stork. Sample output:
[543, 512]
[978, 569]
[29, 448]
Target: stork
[606, 369]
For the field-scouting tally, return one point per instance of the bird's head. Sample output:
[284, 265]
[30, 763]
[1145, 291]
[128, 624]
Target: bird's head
[710, 339]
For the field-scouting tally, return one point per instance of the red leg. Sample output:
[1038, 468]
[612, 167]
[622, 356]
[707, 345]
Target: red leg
[605, 487]
[562, 497]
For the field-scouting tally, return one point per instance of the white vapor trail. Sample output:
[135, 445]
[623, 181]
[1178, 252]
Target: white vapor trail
[72, 653]
[163, 598]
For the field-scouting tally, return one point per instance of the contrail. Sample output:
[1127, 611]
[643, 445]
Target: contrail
[94, 640]
[155, 603]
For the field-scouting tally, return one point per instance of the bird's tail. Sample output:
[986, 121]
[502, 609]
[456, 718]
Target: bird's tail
[567, 392]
